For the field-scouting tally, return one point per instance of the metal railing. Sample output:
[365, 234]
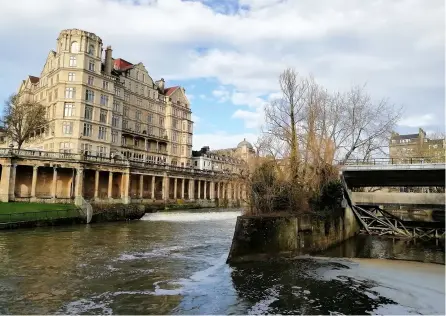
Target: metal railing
[11, 218]
[395, 161]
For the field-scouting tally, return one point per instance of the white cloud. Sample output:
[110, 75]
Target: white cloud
[222, 94]
[249, 99]
[190, 96]
[399, 50]
[418, 120]
[221, 140]
[252, 119]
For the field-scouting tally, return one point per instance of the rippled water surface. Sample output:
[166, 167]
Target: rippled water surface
[174, 263]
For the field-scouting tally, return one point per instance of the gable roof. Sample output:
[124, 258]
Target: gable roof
[169, 91]
[33, 79]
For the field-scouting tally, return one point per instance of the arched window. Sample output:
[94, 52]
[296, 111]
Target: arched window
[75, 47]
[91, 49]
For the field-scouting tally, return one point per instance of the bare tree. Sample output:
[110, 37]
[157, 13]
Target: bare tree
[306, 129]
[365, 125]
[298, 123]
[309, 121]
[22, 118]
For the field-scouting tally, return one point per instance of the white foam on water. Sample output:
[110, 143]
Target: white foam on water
[194, 283]
[262, 306]
[190, 216]
[101, 301]
[158, 252]
[206, 274]
[417, 288]
[83, 306]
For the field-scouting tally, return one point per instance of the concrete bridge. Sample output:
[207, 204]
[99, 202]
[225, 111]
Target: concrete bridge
[398, 198]
[386, 172]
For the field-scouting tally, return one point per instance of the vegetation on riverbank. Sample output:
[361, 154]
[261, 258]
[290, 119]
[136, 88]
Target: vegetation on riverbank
[308, 131]
[23, 207]
[24, 212]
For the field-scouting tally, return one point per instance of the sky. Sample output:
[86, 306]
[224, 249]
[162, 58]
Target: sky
[228, 54]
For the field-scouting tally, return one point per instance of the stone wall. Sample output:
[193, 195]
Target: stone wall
[43, 222]
[263, 237]
[117, 212]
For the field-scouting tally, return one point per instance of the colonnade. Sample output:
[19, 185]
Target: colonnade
[59, 182]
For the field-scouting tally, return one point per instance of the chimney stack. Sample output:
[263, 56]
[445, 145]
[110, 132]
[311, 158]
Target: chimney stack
[108, 60]
[161, 85]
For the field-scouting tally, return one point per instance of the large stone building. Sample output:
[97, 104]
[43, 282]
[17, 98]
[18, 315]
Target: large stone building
[114, 136]
[416, 146]
[105, 106]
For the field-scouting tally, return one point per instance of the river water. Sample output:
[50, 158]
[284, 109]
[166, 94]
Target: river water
[175, 264]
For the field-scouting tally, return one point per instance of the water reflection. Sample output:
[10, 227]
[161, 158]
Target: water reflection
[364, 246]
[295, 287]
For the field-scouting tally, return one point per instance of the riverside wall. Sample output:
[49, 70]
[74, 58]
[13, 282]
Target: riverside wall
[105, 212]
[273, 236]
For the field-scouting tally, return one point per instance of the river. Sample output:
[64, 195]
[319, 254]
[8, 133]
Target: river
[174, 263]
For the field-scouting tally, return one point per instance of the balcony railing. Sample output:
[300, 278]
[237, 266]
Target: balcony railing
[129, 131]
[81, 157]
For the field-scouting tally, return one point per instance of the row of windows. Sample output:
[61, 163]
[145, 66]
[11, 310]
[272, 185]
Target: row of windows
[186, 126]
[70, 93]
[74, 48]
[105, 84]
[87, 149]
[89, 97]
[147, 158]
[151, 118]
[73, 63]
[88, 131]
[180, 113]
[151, 130]
[69, 111]
[175, 149]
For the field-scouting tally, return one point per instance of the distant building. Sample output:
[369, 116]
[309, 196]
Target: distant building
[244, 151]
[415, 146]
[227, 160]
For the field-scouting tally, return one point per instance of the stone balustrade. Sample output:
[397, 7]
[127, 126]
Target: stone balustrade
[29, 175]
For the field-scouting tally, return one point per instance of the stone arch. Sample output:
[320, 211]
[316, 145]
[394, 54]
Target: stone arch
[74, 47]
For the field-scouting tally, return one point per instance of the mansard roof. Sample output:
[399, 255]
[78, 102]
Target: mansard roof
[122, 64]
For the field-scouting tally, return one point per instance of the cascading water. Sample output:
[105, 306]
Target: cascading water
[191, 216]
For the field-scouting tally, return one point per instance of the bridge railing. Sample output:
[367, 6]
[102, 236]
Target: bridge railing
[395, 161]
